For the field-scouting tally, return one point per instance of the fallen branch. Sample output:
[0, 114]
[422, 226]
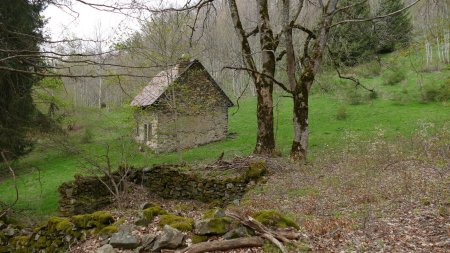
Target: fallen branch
[259, 228]
[289, 234]
[247, 242]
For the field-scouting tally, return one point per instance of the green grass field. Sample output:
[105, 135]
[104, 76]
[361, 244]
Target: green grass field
[397, 110]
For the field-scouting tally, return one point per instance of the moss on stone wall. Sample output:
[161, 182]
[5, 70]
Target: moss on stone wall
[57, 233]
[87, 194]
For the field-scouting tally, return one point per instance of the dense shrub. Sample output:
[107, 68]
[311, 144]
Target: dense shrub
[88, 135]
[373, 95]
[400, 98]
[369, 70]
[394, 76]
[341, 113]
[432, 93]
[355, 96]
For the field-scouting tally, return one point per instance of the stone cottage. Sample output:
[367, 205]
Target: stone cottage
[181, 107]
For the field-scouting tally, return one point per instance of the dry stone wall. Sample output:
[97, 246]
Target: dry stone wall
[87, 194]
[83, 195]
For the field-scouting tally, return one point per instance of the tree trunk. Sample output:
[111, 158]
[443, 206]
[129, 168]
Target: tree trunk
[300, 120]
[301, 92]
[265, 140]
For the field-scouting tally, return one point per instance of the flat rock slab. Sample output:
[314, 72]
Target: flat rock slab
[170, 238]
[124, 240]
[107, 248]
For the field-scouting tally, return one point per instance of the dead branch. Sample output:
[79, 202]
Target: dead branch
[248, 242]
[8, 207]
[351, 78]
[259, 228]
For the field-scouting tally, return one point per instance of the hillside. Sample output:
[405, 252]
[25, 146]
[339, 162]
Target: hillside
[339, 113]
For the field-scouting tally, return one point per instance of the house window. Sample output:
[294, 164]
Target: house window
[147, 132]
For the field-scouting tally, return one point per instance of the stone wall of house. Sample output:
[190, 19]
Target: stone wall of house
[150, 118]
[201, 113]
[87, 194]
[190, 130]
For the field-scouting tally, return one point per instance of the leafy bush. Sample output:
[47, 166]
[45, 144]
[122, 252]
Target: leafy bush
[341, 113]
[326, 84]
[393, 76]
[401, 97]
[368, 70]
[373, 95]
[355, 96]
[88, 136]
[433, 93]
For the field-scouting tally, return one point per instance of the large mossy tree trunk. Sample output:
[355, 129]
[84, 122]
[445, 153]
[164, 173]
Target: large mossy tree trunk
[300, 122]
[265, 140]
[263, 79]
[310, 63]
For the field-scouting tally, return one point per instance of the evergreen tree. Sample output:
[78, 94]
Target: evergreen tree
[353, 43]
[393, 31]
[20, 35]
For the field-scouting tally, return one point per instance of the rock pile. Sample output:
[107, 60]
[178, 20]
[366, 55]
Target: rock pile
[175, 231]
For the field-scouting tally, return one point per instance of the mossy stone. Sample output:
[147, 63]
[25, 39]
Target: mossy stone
[219, 225]
[53, 222]
[178, 222]
[103, 218]
[21, 240]
[199, 238]
[3, 238]
[255, 170]
[148, 205]
[273, 218]
[42, 242]
[151, 212]
[82, 220]
[108, 230]
[214, 213]
[57, 242]
[64, 226]
[214, 226]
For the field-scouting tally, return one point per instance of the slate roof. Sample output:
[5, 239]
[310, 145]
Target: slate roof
[159, 84]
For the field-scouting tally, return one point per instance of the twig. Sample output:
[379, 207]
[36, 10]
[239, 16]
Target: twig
[8, 208]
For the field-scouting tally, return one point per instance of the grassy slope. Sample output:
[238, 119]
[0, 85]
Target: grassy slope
[107, 127]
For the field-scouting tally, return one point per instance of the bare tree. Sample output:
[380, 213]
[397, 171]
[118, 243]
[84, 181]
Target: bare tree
[301, 69]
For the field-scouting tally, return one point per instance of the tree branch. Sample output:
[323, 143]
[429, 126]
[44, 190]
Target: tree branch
[261, 74]
[304, 29]
[374, 18]
[253, 32]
